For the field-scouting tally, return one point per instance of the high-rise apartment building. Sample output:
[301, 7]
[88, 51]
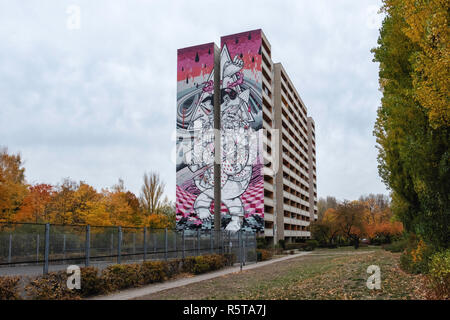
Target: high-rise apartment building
[264, 177]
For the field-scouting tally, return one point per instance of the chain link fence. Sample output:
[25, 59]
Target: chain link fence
[27, 246]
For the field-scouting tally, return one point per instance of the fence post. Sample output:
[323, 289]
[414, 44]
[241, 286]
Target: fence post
[165, 244]
[240, 248]
[10, 248]
[221, 242]
[256, 247]
[174, 232]
[145, 243]
[134, 243]
[112, 244]
[88, 245]
[211, 240]
[119, 246]
[244, 244]
[198, 242]
[184, 245]
[46, 247]
[64, 247]
[37, 248]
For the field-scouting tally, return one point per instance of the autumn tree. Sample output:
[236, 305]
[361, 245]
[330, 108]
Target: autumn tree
[12, 185]
[63, 203]
[412, 127]
[350, 219]
[326, 229]
[35, 205]
[152, 192]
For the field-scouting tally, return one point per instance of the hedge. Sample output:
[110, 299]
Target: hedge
[9, 288]
[263, 254]
[53, 286]
[309, 245]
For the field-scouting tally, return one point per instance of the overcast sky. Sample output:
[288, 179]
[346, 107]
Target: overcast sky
[97, 103]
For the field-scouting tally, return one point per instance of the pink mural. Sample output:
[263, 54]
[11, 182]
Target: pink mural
[242, 183]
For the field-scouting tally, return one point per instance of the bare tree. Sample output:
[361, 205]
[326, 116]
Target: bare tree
[151, 193]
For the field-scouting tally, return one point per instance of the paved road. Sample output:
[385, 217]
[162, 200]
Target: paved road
[153, 288]
[36, 270]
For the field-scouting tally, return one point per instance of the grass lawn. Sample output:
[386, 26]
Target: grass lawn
[323, 274]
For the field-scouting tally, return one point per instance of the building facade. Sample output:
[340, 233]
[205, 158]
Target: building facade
[236, 100]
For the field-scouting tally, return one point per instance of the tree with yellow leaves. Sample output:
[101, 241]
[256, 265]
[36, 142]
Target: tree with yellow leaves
[13, 188]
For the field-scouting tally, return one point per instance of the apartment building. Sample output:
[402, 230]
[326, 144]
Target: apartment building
[275, 191]
[290, 186]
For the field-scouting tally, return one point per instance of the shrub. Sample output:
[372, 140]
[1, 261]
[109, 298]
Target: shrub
[396, 246]
[173, 267]
[91, 282]
[188, 264]
[121, 276]
[230, 259]
[207, 263]
[153, 271]
[311, 244]
[263, 255]
[295, 246]
[9, 288]
[262, 243]
[52, 286]
[282, 244]
[200, 266]
[416, 257]
[439, 274]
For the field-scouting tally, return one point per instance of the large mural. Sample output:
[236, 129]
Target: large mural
[242, 181]
[195, 137]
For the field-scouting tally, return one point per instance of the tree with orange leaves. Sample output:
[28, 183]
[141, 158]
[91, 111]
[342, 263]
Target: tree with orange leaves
[34, 207]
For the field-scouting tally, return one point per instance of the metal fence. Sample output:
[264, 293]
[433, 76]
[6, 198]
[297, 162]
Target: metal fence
[57, 246]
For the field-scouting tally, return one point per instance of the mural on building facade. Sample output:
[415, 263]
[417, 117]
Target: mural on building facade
[195, 136]
[242, 181]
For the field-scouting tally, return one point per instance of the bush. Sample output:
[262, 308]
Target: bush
[9, 288]
[173, 267]
[230, 258]
[52, 286]
[263, 255]
[153, 271]
[121, 276]
[311, 244]
[416, 257]
[396, 246]
[91, 282]
[439, 274]
[262, 243]
[207, 263]
[295, 246]
[282, 244]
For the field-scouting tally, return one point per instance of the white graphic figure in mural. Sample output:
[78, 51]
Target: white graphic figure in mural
[201, 156]
[239, 143]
